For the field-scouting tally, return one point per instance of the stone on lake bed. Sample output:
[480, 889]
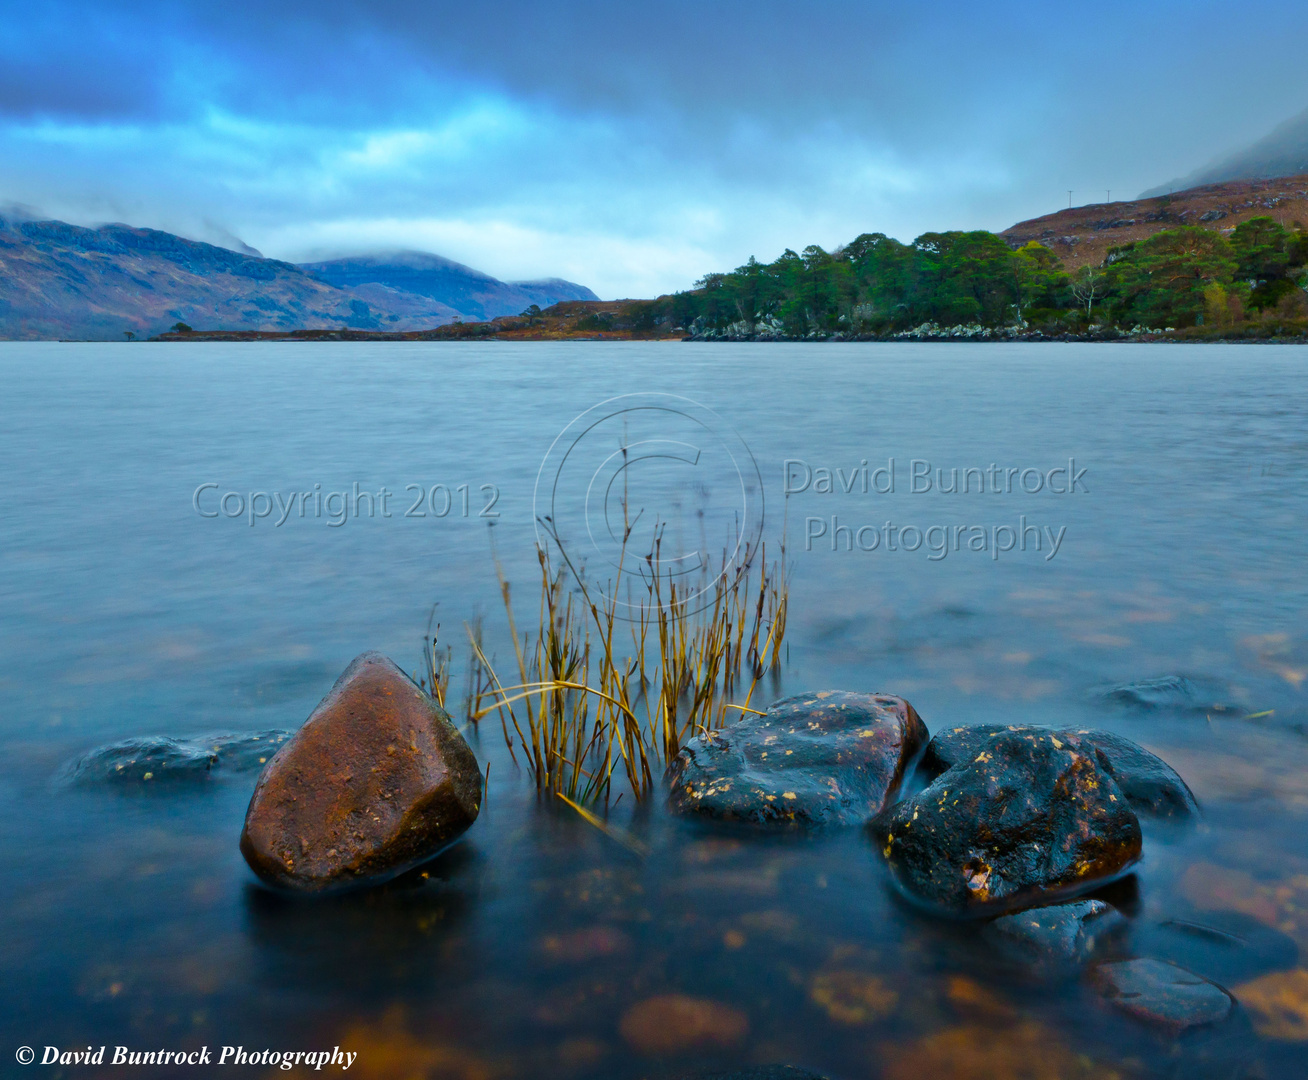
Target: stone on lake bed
[1054, 940]
[1162, 993]
[1029, 820]
[675, 1023]
[159, 760]
[833, 757]
[377, 781]
[1150, 785]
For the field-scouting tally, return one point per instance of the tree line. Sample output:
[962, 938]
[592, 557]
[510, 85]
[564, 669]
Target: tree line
[878, 286]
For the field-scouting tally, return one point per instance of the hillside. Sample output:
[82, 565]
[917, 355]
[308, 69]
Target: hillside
[1283, 152]
[1084, 234]
[64, 281]
[473, 294]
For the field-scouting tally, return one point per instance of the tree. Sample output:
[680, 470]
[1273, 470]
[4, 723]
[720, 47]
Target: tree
[182, 328]
[129, 335]
[1088, 285]
[1161, 280]
[1038, 277]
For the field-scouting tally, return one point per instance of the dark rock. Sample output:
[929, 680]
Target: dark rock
[1170, 693]
[376, 781]
[1054, 940]
[1162, 993]
[828, 758]
[1029, 818]
[1226, 946]
[1150, 785]
[159, 760]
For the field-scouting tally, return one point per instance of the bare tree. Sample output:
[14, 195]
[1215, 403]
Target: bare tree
[1089, 284]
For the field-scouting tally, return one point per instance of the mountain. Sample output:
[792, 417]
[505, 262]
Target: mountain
[65, 281]
[474, 294]
[1084, 234]
[1284, 152]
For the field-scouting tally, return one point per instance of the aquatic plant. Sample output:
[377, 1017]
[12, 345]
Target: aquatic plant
[620, 674]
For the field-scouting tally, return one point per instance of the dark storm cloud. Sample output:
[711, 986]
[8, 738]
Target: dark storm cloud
[664, 134]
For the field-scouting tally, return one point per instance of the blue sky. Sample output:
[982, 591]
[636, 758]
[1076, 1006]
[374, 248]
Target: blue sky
[629, 147]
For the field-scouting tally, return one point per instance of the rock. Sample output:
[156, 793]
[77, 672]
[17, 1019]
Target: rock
[1054, 940]
[989, 1051]
[1162, 993]
[1278, 1005]
[761, 1072]
[852, 997]
[673, 1023]
[1029, 819]
[1150, 785]
[1224, 946]
[159, 760]
[377, 781]
[1171, 693]
[828, 758]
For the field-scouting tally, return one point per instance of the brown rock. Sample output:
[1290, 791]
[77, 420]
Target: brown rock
[377, 781]
[672, 1023]
[832, 757]
[1278, 1004]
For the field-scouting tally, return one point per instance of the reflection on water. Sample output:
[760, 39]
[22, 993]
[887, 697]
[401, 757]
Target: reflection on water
[539, 947]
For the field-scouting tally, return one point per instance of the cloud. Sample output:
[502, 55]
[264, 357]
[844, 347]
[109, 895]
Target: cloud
[632, 148]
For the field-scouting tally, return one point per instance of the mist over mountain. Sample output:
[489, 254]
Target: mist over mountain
[473, 293]
[1283, 152]
[65, 281]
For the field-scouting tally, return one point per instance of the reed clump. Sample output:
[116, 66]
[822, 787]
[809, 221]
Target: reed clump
[617, 676]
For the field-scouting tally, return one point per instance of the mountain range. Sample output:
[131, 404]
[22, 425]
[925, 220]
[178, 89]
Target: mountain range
[64, 281]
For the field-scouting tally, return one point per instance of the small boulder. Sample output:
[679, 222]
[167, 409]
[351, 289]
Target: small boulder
[377, 781]
[832, 757]
[1028, 819]
[1169, 693]
[1162, 994]
[162, 761]
[1056, 940]
[1150, 785]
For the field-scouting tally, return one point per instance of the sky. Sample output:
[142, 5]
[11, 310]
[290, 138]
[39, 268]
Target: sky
[630, 147]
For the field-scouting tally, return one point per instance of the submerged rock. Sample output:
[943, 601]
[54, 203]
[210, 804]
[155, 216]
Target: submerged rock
[1029, 818]
[1170, 693]
[376, 781]
[1226, 946]
[676, 1023]
[760, 1072]
[1054, 940]
[159, 760]
[833, 757]
[1150, 785]
[1162, 993]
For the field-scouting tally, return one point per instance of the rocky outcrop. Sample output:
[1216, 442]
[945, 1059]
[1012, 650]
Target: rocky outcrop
[832, 757]
[1162, 994]
[376, 781]
[162, 761]
[1056, 940]
[1150, 785]
[1029, 818]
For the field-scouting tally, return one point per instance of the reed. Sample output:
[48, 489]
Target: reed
[611, 688]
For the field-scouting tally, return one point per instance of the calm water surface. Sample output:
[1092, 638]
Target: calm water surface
[130, 917]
